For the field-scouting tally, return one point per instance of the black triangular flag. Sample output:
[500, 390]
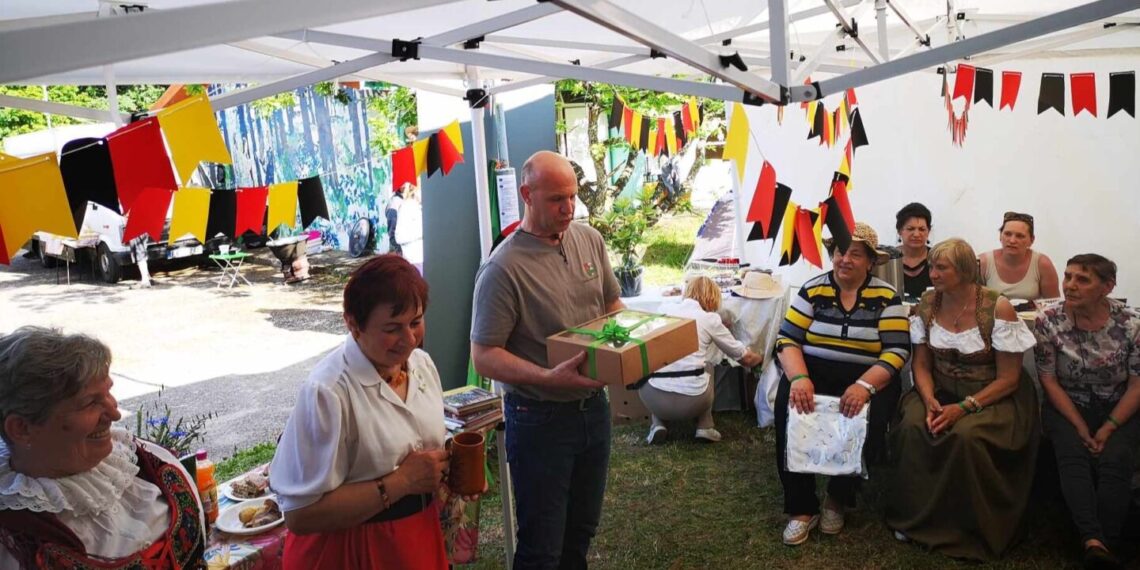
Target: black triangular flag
[840, 177]
[779, 205]
[616, 113]
[1052, 94]
[679, 127]
[1122, 93]
[817, 121]
[223, 213]
[984, 85]
[434, 162]
[835, 223]
[85, 165]
[643, 144]
[311, 198]
[858, 133]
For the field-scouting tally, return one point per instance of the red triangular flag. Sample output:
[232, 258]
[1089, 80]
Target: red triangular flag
[448, 154]
[659, 147]
[1083, 86]
[4, 250]
[851, 100]
[839, 190]
[805, 236]
[626, 123]
[148, 214]
[1010, 83]
[250, 209]
[404, 167]
[964, 82]
[687, 119]
[763, 199]
[139, 161]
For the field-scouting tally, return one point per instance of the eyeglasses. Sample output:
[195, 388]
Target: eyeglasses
[1017, 217]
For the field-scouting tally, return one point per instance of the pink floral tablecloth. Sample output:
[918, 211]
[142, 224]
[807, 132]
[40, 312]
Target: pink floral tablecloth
[224, 551]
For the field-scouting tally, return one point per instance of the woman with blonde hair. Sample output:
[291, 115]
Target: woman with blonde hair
[965, 443]
[683, 390]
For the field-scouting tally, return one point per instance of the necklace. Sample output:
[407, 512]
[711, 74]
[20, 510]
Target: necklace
[965, 305]
[555, 237]
[399, 378]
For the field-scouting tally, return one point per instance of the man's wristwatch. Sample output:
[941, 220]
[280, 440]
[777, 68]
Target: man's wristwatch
[869, 386]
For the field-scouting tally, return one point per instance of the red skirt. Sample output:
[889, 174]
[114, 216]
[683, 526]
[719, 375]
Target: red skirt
[411, 542]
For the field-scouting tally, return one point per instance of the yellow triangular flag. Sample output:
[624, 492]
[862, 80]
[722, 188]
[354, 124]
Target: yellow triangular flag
[420, 151]
[811, 111]
[652, 146]
[788, 227]
[32, 199]
[192, 135]
[671, 137]
[191, 210]
[282, 206]
[695, 113]
[635, 126]
[736, 142]
[841, 122]
[845, 167]
[455, 135]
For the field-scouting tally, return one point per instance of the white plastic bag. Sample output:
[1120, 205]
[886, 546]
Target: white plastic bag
[825, 441]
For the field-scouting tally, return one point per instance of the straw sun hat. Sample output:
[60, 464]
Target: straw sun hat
[867, 235]
[759, 285]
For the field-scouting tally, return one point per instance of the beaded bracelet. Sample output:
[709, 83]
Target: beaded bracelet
[383, 493]
[1113, 421]
[977, 406]
[797, 377]
[963, 406]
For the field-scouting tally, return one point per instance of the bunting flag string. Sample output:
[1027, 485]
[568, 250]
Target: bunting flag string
[656, 136]
[829, 126]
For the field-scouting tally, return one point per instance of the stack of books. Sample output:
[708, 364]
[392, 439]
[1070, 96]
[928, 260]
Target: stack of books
[470, 408]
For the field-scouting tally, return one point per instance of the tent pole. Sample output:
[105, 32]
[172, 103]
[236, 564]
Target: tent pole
[112, 95]
[881, 17]
[479, 150]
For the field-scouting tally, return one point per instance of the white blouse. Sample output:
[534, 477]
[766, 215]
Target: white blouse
[1008, 336]
[349, 425]
[110, 509]
[710, 330]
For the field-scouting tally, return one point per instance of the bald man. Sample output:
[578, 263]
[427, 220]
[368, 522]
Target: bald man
[549, 275]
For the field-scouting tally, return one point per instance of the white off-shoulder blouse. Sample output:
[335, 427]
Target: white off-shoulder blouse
[1008, 336]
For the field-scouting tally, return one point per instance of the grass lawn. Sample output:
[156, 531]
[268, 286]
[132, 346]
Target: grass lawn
[691, 505]
[668, 245]
[244, 460]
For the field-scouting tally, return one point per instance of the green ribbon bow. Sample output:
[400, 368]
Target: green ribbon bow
[618, 335]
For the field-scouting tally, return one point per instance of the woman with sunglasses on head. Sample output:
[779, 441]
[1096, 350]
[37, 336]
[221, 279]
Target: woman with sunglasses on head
[1015, 270]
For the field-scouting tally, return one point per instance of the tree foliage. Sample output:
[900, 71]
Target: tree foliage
[599, 195]
[132, 98]
[392, 114]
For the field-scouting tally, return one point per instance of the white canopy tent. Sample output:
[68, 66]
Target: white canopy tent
[498, 46]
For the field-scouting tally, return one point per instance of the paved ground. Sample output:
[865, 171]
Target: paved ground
[185, 343]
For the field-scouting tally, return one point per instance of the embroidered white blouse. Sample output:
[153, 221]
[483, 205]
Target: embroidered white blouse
[110, 509]
[350, 426]
[1008, 336]
[710, 330]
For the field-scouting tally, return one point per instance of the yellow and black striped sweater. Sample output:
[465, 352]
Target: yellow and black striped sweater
[875, 332]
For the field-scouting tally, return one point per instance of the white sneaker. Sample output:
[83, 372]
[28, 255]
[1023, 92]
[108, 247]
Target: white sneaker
[657, 435]
[709, 435]
[797, 532]
[831, 522]
[899, 536]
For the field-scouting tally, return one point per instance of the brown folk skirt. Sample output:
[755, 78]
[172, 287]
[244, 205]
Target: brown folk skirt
[964, 493]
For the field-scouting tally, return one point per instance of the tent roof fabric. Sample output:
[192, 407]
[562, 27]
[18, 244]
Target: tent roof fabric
[286, 43]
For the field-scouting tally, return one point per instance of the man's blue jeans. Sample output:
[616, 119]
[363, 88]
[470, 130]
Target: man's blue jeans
[559, 454]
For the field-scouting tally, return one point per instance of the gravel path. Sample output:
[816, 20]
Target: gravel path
[240, 353]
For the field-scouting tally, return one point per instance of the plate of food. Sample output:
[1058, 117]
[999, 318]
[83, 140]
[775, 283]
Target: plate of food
[253, 485]
[250, 517]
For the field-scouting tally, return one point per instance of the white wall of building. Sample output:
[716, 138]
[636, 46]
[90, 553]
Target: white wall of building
[1076, 175]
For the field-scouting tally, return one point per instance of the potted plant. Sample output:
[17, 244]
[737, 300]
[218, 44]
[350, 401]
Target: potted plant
[623, 228]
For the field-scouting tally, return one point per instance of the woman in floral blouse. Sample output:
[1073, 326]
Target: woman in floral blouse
[1088, 359]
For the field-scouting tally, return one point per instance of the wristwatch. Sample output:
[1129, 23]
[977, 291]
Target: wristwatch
[869, 386]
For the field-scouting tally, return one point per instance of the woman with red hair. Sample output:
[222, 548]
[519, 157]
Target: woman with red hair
[363, 451]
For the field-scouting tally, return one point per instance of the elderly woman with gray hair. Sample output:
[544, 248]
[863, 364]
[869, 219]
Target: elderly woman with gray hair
[76, 492]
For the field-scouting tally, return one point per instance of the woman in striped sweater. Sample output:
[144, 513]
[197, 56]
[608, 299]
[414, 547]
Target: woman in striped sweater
[846, 335]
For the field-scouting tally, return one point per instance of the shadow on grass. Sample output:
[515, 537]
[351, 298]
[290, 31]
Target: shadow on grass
[690, 505]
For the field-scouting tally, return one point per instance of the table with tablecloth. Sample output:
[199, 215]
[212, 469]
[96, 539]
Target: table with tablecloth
[224, 551]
